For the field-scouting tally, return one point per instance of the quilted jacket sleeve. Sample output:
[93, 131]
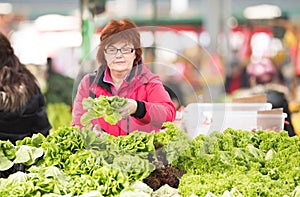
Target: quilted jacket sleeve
[82, 92]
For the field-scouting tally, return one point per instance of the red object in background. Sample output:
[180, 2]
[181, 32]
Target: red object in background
[295, 56]
[235, 84]
[245, 51]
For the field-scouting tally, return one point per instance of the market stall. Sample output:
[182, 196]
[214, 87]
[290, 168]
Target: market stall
[71, 162]
[224, 161]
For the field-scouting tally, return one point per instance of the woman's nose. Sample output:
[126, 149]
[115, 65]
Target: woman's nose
[119, 53]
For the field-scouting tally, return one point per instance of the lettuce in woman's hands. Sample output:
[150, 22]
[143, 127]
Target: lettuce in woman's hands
[102, 107]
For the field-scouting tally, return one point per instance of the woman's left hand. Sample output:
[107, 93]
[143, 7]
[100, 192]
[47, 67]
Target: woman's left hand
[97, 129]
[129, 108]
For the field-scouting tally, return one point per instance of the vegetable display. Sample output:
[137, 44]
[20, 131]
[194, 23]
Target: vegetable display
[59, 114]
[241, 163]
[73, 162]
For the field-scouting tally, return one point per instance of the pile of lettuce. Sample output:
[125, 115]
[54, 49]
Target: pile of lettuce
[102, 107]
[59, 114]
[241, 163]
[74, 162]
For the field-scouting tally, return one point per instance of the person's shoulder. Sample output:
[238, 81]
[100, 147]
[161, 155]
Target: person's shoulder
[86, 77]
[278, 88]
[151, 77]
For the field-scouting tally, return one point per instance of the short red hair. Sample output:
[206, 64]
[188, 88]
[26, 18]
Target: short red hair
[116, 31]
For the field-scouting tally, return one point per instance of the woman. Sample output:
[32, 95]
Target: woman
[121, 73]
[22, 106]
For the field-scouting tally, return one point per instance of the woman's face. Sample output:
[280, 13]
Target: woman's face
[119, 56]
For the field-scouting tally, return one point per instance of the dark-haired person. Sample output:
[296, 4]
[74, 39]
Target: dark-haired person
[122, 73]
[22, 105]
[265, 78]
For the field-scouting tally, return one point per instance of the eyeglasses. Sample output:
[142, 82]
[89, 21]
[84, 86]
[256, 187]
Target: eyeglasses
[114, 51]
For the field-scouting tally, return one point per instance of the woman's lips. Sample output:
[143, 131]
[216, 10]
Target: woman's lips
[121, 62]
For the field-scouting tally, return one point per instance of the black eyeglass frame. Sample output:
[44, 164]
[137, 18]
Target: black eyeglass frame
[126, 48]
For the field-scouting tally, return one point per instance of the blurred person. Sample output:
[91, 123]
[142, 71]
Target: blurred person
[261, 71]
[263, 77]
[121, 72]
[237, 79]
[55, 92]
[175, 92]
[22, 105]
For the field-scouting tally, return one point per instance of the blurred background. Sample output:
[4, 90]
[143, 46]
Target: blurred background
[200, 48]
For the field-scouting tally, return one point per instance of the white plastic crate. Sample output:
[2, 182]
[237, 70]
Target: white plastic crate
[274, 122]
[204, 118]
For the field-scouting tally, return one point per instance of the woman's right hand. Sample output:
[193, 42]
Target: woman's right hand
[128, 109]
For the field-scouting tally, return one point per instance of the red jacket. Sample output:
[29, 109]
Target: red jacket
[140, 85]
